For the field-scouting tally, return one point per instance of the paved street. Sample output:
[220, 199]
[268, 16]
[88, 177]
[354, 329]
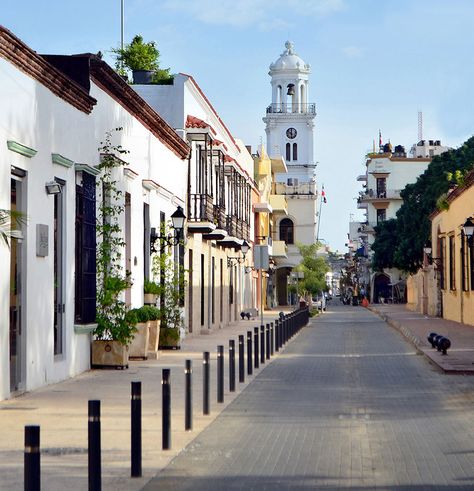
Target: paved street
[350, 404]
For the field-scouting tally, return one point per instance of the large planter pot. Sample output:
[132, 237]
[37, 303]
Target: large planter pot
[153, 339]
[150, 298]
[169, 338]
[109, 354]
[142, 76]
[139, 344]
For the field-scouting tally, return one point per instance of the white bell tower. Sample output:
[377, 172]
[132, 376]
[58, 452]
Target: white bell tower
[290, 117]
[289, 127]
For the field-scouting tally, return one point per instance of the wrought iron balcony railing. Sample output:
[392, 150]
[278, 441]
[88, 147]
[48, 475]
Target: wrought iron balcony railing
[201, 208]
[290, 107]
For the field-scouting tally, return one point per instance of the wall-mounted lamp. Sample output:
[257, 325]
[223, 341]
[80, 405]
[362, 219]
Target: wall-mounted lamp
[177, 223]
[53, 187]
[437, 261]
[468, 229]
[244, 248]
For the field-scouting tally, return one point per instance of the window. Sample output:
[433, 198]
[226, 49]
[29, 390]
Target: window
[452, 265]
[381, 215]
[295, 151]
[471, 260]
[85, 251]
[146, 241]
[287, 231]
[288, 152]
[442, 255]
[381, 187]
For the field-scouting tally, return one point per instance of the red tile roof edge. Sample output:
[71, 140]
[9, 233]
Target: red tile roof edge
[190, 77]
[111, 83]
[32, 64]
[195, 122]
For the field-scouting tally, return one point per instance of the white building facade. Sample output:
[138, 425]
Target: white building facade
[219, 196]
[387, 174]
[51, 128]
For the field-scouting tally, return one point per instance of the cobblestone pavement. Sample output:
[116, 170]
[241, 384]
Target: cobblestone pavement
[349, 405]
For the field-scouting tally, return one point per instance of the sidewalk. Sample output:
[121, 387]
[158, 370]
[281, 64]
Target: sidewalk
[61, 411]
[416, 328]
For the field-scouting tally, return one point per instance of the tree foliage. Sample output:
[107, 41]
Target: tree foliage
[314, 268]
[413, 226]
[384, 245]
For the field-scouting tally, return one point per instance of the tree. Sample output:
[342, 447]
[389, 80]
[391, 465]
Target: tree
[385, 244]
[314, 268]
[413, 226]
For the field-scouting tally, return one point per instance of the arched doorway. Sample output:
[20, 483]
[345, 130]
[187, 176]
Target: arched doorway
[381, 290]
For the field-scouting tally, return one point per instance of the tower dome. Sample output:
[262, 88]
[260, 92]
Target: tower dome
[289, 60]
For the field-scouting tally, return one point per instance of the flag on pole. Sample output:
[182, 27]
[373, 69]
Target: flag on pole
[323, 195]
[380, 138]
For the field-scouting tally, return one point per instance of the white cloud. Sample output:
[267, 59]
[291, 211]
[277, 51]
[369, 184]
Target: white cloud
[352, 52]
[247, 13]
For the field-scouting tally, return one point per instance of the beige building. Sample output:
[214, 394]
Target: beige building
[272, 207]
[446, 287]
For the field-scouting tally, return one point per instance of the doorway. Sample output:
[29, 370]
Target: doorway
[58, 248]
[17, 347]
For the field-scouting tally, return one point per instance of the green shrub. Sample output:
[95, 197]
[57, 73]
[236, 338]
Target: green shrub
[151, 287]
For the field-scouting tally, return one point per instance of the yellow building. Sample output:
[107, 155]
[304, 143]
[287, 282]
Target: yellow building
[266, 211]
[453, 254]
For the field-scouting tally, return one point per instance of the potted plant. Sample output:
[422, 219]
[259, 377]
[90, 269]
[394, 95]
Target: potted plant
[154, 331]
[139, 344]
[115, 325]
[142, 60]
[150, 292]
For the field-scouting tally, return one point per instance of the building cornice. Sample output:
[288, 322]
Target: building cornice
[29, 62]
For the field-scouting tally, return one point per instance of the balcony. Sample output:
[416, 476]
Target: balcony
[279, 249]
[200, 214]
[303, 188]
[279, 204]
[290, 107]
[372, 195]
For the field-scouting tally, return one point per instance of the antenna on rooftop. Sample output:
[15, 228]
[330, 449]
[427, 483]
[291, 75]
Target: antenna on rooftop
[121, 26]
[420, 126]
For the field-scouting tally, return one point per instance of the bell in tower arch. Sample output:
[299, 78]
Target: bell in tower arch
[291, 89]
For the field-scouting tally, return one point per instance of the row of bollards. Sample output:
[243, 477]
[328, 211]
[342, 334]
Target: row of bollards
[267, 341]
[440, 342]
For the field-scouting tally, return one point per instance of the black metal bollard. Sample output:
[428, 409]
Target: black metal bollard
[249, 353]
[431, 337]
[267, 343]
[220, 373]
[277, 335]
[262, 344]
[443, 345]
[188, 395]
[94, 457]
[272, 339]
[255, 347]
[241, 359]
[166, 409]
[231, 365]
[206, 370]
[136, 429]
[32, 464]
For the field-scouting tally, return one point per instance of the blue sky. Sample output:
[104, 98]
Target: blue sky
[375, 64]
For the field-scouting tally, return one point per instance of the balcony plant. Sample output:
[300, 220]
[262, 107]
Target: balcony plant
[142, 59]
[115, 326]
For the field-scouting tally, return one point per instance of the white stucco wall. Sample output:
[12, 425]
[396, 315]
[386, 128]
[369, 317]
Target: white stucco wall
[33, 116]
